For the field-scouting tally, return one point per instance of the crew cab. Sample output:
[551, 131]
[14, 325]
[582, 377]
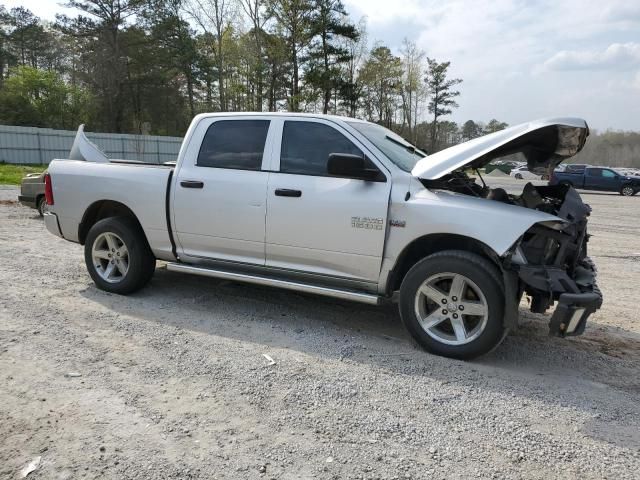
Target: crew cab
[344, 208]
[597, 178]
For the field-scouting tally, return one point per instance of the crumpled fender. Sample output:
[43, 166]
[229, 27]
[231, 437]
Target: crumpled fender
[497, 225]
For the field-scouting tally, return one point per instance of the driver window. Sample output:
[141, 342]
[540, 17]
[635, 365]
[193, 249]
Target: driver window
[306, 147]
[608, 174]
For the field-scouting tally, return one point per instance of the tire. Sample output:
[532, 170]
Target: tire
[129, 248]
[42, 205]
[482, 291]
[627, 191]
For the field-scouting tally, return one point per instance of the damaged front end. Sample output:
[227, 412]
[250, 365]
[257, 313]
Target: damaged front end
[551, 260]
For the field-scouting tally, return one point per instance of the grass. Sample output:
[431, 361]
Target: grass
[12, 174]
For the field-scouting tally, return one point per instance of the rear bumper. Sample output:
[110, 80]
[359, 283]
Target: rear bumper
[51, 222]
[27, 201]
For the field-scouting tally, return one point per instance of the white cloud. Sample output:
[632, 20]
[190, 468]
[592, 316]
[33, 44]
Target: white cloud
[381, 12]
[520, 59]
[618, 56]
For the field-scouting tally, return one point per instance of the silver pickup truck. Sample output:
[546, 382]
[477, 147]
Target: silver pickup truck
[345, 208]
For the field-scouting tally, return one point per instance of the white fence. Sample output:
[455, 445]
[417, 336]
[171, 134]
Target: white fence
[41, 145]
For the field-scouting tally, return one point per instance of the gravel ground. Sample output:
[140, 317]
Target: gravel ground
[172, 383]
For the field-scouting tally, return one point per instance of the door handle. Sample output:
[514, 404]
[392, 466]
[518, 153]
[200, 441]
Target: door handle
[287, 192]
[191, 184]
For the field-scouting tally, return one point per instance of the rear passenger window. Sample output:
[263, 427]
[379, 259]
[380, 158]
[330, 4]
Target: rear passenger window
[306, 147]
[235, 144]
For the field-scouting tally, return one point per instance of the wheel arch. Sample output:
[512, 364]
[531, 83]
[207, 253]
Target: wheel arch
[427, 245]
[101, 209]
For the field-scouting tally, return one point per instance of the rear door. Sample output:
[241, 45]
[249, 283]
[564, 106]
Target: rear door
[593, 179]
[219, 196]
[319, 223]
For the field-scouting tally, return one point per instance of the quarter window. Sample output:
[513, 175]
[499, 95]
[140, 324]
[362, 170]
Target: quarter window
[237, 144]
[306, 147]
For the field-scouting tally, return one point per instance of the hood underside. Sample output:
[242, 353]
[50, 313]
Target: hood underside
[543, 143]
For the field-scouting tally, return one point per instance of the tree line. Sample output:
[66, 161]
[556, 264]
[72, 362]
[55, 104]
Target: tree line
[149, 66]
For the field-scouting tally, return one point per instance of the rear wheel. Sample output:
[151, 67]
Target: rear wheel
[627, 191]
[452, 303]
[117, 255]
[42, 205]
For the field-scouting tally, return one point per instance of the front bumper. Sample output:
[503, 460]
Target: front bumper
[51, 222]
[577, 296]
[572, 311]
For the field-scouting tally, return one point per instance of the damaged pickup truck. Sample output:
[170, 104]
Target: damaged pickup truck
[347, 209]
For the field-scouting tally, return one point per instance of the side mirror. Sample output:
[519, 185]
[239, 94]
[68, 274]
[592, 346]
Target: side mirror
[350, 166]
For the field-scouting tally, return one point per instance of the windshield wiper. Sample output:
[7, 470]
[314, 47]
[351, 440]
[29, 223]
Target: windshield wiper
[407, 145]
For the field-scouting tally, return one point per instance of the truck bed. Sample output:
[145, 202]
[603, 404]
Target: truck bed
[143, 188]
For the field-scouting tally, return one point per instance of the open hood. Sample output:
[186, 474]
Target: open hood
[543, 143]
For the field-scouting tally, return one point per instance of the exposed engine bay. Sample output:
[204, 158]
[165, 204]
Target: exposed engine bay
[543, 198]
[549, 262]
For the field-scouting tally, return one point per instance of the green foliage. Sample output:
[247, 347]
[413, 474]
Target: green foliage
[441, 94]
[381, 78]
[470, 130]
[494, 126]
[12, 174]
[40, 98]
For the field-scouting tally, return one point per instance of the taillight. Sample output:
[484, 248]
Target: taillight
[48, 189]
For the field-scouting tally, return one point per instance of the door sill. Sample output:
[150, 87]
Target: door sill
[276, 282]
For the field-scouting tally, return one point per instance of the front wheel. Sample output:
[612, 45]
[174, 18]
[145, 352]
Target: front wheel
[452, 303]
[627, 191]
[118, 256]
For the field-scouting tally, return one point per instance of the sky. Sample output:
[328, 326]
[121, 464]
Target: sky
[518, 59]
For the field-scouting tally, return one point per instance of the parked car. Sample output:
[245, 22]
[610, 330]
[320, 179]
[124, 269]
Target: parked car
[598, 178]
[523, 173]
[32, 192]
[345, 208]
[630, 172]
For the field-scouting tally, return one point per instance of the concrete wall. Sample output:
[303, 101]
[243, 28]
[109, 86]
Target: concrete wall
[41, 145]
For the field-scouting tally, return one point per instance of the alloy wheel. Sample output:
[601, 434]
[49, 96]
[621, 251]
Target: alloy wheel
[110, 257]
[451, 308]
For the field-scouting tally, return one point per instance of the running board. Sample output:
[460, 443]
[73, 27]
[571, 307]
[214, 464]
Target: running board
[272, 282]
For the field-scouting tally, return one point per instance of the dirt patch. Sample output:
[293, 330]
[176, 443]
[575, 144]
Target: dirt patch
[172, 382]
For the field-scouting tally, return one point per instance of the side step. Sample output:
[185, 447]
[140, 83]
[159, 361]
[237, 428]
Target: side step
[273, 282]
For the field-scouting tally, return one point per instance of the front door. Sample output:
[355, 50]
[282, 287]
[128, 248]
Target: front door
[219, 193]
[318, 223]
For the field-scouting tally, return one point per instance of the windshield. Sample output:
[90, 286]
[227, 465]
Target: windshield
[399, 151]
